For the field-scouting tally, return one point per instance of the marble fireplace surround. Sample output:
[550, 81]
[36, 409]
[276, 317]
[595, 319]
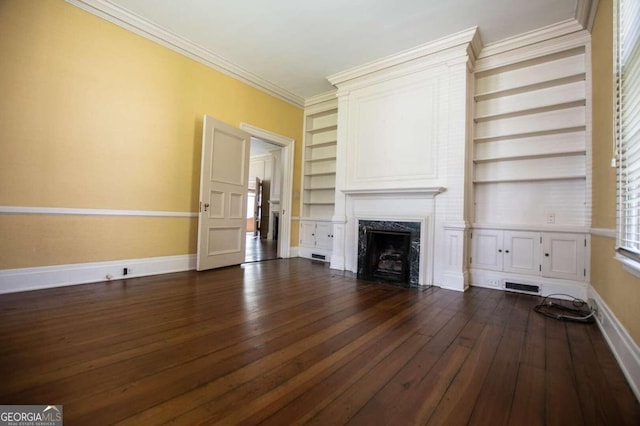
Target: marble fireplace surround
[415, 205]
[413, 228]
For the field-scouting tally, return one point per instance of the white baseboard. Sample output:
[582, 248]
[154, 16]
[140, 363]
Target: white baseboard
[23, 279]
[625, 350]
[294, 252]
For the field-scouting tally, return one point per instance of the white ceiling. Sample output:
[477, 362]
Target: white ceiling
[295, 44]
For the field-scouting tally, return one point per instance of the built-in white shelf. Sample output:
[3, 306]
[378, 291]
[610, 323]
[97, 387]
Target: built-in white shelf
[528, 156]
[323, 144]
[323, 129]
[319, 161]
[533, 179]
[531, 161]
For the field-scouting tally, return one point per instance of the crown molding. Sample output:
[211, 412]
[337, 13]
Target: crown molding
[151, 31]
[586, 13]
[319, 98]
[469, 37]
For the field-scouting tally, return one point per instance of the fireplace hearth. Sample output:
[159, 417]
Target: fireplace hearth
[389, 251]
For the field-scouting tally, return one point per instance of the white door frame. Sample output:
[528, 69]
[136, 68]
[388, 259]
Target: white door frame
[286, 167]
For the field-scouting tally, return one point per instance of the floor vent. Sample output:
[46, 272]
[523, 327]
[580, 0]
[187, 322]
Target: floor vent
[524, 288]
[318, 256]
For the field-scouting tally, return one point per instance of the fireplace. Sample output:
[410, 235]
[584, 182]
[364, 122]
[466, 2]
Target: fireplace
[389, 251]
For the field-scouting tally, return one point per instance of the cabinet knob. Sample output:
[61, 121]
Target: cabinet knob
[546, 254]
[506, 251]
[499, 250]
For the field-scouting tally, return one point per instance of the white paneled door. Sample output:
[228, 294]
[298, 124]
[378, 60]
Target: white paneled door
[223, 195]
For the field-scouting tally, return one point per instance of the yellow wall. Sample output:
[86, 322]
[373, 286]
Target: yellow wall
[620, 290]
[94, 116]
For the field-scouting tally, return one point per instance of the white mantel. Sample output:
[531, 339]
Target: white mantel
[403, 137]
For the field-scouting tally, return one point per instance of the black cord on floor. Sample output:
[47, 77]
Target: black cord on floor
[555, 310]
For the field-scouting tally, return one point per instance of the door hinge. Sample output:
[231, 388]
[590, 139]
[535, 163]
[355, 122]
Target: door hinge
[585, 242]
[471, 236]
[470, 260]
[540, 268]
[585, 272]
[540, 240]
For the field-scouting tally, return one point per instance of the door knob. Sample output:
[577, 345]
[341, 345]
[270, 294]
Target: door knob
[206, 206]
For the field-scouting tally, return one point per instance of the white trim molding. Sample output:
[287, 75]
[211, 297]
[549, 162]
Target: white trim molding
[629, 265]
[91, 212]
[603, 232]
[467, 37]
[128, 20]
[23, 279]
[321, 97]
[624, 349]
[586, 13]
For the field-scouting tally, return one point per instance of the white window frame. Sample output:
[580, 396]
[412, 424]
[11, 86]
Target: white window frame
[627, 128]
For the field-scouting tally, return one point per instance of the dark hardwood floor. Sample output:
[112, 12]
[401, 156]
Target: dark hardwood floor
[259, 249]
[289, 342]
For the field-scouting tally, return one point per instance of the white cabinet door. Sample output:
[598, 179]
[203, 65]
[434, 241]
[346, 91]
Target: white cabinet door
[563, 256]
[487, 249]
[324, 236]
[308, 234]
[522, 252]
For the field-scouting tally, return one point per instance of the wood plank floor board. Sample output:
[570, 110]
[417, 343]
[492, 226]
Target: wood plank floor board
[293, 342]
[528, 406]
[597, 408]
[562, 405]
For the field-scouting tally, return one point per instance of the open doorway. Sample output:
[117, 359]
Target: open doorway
[263, 201]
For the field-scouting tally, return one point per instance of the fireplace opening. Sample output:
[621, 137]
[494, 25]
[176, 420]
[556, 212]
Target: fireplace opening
[389, 251]
[387, 256]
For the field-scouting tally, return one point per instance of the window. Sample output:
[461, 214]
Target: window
[627, 110]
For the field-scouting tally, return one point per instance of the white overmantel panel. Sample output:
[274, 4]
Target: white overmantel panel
[393, 132]
[403, 137]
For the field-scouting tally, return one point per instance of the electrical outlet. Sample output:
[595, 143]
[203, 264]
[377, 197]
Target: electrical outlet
[551, 218]
[125, 271]
[493, 283]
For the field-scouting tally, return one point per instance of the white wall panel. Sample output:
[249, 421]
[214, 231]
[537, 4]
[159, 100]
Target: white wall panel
[393, 133]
